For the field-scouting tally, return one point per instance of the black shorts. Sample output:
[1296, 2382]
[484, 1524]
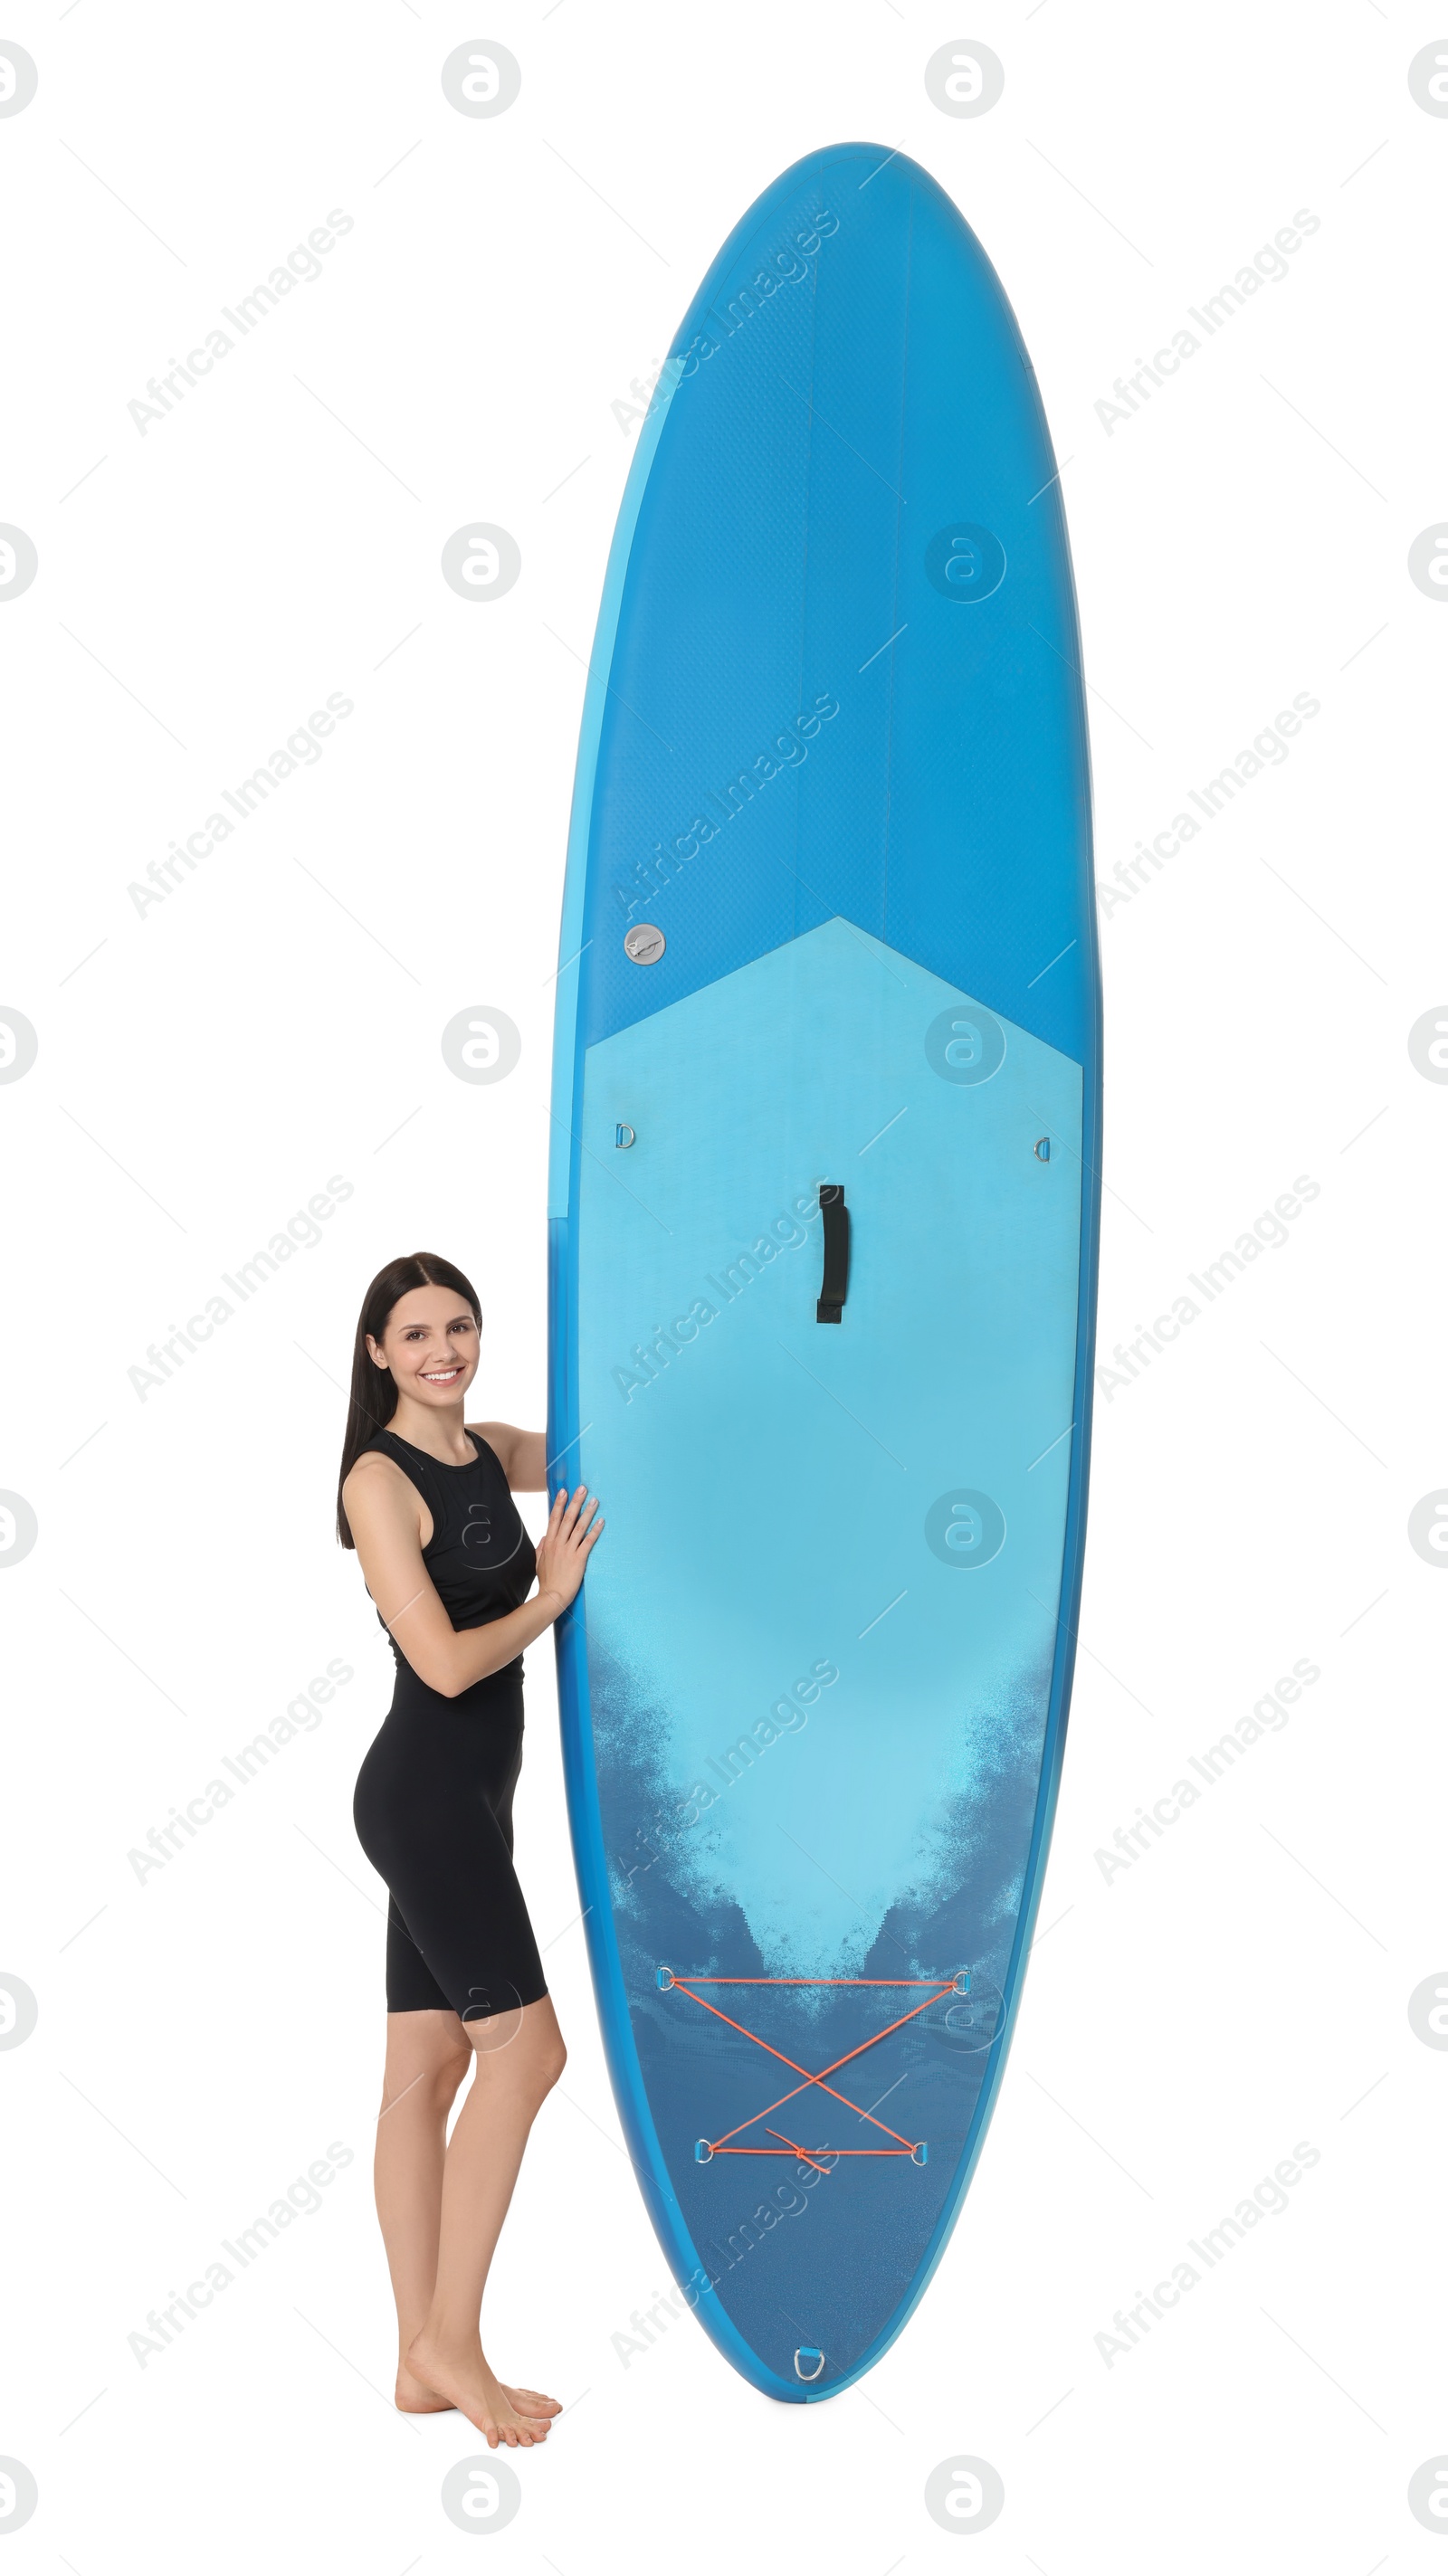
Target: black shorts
[434, 1813]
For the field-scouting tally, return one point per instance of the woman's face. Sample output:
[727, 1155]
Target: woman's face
[430, 1343]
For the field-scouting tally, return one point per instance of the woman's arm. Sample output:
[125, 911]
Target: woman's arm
[381, 1507]
[520, 1454]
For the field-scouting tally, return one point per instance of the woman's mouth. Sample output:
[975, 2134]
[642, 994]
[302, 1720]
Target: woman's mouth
[441, 1377]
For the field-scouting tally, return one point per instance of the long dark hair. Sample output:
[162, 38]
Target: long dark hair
[373, 1400]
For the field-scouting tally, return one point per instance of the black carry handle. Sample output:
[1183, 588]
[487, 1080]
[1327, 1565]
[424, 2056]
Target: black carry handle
[835, 1284]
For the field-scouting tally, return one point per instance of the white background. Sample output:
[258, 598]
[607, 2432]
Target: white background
[204, 1069]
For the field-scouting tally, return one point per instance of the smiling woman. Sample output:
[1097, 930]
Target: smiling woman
[427, 1501]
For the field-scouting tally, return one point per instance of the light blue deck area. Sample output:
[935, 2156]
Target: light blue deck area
[834, 748]
[768, 1480]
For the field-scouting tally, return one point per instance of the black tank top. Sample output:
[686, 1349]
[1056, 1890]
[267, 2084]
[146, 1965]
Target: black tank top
[480, 1557]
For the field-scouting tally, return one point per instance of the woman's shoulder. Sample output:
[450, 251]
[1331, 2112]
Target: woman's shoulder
[383, 1502]
[376, 1469]
[378, 1450]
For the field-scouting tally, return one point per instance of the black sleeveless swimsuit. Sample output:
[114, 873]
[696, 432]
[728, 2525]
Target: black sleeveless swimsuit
[434, 1799]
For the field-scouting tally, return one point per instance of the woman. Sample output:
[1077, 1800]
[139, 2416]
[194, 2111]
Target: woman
[428, 1504]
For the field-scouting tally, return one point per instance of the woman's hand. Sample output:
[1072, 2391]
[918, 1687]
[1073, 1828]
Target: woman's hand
[563, 1550]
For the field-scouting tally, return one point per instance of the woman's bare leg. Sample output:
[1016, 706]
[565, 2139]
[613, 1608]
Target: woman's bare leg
[428, 2056]
[518, 2057]
[427, 2059]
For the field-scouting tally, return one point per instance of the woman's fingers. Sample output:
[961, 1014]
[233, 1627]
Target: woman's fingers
[571, 1526]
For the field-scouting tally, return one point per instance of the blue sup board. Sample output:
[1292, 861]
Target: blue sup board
[824, 1211]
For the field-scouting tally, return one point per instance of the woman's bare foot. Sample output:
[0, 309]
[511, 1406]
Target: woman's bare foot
[464, 2380]
[531, 2401]
[414, 2397]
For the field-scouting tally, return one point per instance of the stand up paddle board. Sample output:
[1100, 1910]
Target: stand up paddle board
[823, 1242]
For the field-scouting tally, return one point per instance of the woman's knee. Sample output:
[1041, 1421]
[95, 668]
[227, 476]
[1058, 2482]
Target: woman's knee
[427, 2061]
[531, 2059]
[452, 2071]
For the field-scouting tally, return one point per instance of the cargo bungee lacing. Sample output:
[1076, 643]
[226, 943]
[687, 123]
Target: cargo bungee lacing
[934, 1989]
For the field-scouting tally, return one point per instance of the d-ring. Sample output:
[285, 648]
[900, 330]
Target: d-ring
[808, 2352]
